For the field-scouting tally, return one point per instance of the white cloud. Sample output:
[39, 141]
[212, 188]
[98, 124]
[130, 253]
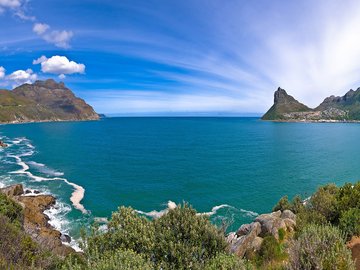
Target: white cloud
[40, 28]
[2, 72]
[59, 65]
[22, 76]
[41, 59]
[10, 3]
[62, 76]
[60, 39]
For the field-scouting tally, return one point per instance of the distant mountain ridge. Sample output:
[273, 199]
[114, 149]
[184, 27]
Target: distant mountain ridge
[332, 109]
[43, 101]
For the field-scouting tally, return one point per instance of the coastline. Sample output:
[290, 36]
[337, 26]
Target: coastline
[36, 222]
[47, 121]
[313, 121]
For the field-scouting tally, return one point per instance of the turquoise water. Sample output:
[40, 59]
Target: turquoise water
[243, 165]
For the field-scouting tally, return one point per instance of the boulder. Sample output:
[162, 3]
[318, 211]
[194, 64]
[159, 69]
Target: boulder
[239, 245]
[65, 238]
[14, 190]
[247, 228]
[288, 214]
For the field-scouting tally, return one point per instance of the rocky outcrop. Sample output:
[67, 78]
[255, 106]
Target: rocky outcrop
[35, 222]
[3, 145]
[14, 190]
[332, 109]
[249, 237]
[43, 101]
[284, 104]
[354, 245]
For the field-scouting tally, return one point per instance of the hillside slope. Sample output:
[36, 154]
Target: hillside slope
[43, 101]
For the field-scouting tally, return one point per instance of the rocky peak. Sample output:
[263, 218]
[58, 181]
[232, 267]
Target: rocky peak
[50, 84]
[280, 95]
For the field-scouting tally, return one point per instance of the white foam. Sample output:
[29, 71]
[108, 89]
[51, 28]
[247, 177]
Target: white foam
[157, 214]
[44, 169]
[215, 209]
[76, 196]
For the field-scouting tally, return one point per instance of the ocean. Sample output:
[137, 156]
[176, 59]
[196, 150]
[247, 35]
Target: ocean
[229, 168]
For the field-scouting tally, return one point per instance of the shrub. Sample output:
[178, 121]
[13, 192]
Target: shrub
[350, 222]
[320, 247]
[324, 201]
[180, 239]
[126, 230]
[186, 240]
[10, 209]
[118, 260]
[282, 204]
[296, 205]
[227, 262]
[18, 251]
[307, 217]
[270, 249]
[348, 197]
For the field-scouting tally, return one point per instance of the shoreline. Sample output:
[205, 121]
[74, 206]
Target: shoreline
[36, 222]
[46, 121]
[313, 121]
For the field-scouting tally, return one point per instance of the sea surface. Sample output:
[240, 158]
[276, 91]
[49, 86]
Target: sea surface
[229, 168]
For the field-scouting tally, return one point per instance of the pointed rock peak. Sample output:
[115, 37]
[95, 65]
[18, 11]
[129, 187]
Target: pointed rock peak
[50, 83]
[280, 94]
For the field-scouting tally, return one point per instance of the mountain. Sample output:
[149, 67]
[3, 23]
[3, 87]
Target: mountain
[284, 104]
[286, 108]
[43, 101]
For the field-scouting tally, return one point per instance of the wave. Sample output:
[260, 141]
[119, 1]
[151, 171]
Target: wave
[76, 196]
[214, 210]
[42, 168]
[157, 214]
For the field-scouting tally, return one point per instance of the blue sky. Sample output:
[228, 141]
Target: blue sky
[167, 56]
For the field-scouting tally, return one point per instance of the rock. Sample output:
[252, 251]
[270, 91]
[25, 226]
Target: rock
[288, 214]
[36, 192]
[239, 245]
[247, 228]
[14, 190]
[37, 226]
[65, 238]
[256, 244]
[3, 145]
[271, 223]
[27, 191]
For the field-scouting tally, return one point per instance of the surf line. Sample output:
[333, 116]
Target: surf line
[76, 196]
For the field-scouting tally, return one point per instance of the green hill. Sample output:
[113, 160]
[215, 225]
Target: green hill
[43, 101]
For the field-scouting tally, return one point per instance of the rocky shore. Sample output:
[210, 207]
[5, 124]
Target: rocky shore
[249, 237]
[36, 223]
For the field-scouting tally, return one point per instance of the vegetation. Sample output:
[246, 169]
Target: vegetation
[320, 247]
[183, 239]
[17, 249]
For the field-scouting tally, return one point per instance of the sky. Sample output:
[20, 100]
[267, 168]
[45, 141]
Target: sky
[133, 57]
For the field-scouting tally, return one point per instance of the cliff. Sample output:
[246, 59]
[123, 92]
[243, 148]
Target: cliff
[332, 109]
[43, 101]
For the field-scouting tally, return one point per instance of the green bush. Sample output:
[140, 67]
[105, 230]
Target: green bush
[19, 251]
[348, 197]
[118, 260]
[296, 205]
[350, 222]
[324, 202]
[126, 230]
[227, 262]
[10, 209]
[184, 239]
[320, 247]
[282, 204]
[180, 239]
[270, 249]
